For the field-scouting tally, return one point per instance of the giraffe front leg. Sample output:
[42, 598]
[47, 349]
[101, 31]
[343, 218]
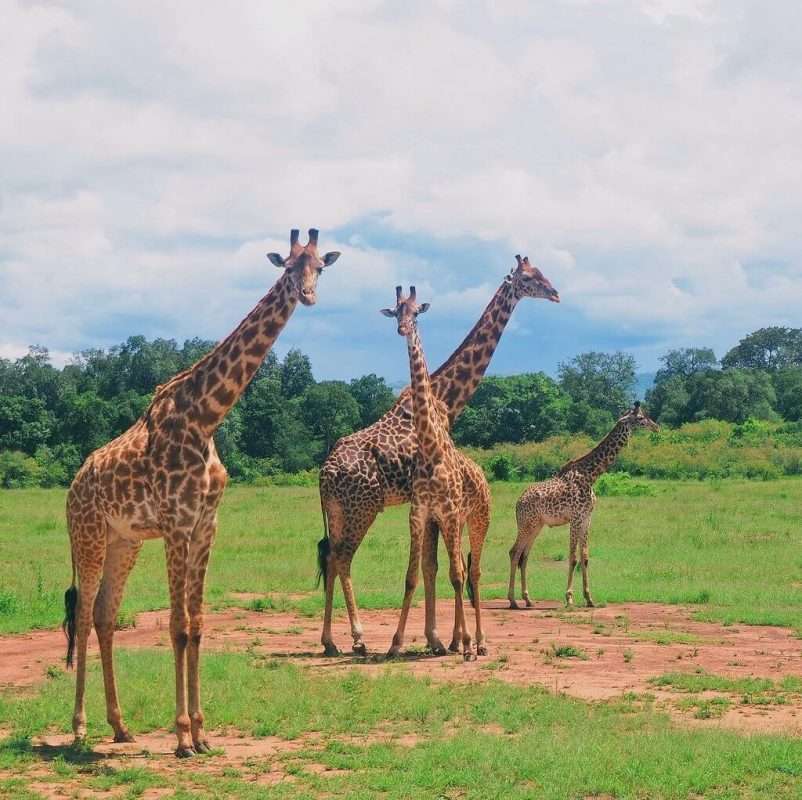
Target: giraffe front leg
[417, 525]
[451, 536]
[176, 545]
[199, 552]
[430, 538]
[585, 556]
[572, 553]
[120, 560]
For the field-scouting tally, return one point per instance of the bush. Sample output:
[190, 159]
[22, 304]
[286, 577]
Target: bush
[618, 484]
[501, 468]
[18, 471]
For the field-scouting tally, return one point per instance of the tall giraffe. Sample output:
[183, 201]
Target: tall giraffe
[448, 490]
[569, 497]
[372, 468]
[163, 478]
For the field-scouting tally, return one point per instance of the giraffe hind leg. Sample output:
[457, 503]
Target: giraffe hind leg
[88, 540]
[120, 559]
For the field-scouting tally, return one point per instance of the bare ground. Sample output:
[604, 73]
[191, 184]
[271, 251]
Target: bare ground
[616, 650]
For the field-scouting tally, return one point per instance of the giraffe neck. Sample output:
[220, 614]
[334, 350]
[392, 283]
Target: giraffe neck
[456, 380]
[602, 457]
[423, 411]
[207, 391]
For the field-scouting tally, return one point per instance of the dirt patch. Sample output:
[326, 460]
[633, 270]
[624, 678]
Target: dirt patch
[593, 654]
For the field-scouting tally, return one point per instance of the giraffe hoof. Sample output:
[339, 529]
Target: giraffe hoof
[360, 649]
[438, 649]
[393, 652]
[469, 655]
[330, 650]
[481, 650]
[122, 737]
[454, 647]
[185, 752]
[590, 603]
[202, 746]
[513, 605]
[529, 603]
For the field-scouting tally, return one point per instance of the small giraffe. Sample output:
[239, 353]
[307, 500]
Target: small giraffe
[448, 489]
[569, 497]
[163, 478]
[372, 468]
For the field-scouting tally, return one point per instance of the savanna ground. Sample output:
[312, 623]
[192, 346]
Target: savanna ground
[687, 683]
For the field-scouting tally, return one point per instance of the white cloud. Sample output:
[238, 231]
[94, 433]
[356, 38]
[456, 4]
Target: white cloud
[149, 157]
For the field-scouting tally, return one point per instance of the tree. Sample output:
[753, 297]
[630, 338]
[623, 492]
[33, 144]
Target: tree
[732, 395]
[668, 401]
[296, 374]
[788, 388]
[518, 408]
[685, 362]
[601, 380]
[768, 348]
[374, 397]
[329, 410]
[25, 424]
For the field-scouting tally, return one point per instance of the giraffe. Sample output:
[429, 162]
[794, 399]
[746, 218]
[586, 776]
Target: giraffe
[372, 468]
[448, 489]
[569, 497]
[163, 478]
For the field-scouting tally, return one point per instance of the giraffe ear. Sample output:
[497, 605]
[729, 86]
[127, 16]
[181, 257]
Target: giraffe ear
[330, 258]
[276, 260]
[423, 308]
[388, 312]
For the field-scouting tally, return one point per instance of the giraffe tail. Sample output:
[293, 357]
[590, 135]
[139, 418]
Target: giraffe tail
[70, 608]
[469, 582]
[323, 549]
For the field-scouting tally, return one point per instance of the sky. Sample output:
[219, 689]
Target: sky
[646, 154]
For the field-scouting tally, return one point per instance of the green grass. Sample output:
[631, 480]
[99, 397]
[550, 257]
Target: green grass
[492, 740]
[731, 548]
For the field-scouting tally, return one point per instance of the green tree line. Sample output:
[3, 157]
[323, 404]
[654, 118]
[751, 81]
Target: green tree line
[286, 422]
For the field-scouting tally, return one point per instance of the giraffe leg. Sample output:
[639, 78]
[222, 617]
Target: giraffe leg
[199, 551]
[345, 539]
[477, 531]
[518, 552]
[120, 559]
[176, 547]
[524, 561]
[326, 639]
[417, 528]
[334, 517]
[430, 538]
[572, 557]
[451, 536]
[585, 561]
[91, 532]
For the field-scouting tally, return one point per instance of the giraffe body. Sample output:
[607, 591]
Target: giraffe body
[373, 468]
[568, 498]
[162, 478]
[448, 491]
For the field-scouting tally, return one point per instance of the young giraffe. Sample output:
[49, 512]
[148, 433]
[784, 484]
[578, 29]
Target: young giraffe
[372, 468]
[569, 497]
[448, 489]
[163, 478]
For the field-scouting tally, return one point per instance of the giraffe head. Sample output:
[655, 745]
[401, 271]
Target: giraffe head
[406, 311]
[529, 281]
[304, 265]
[635, 417]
